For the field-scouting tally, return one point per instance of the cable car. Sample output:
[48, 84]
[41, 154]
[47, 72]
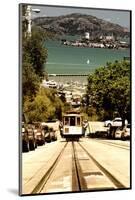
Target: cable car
[72, 126]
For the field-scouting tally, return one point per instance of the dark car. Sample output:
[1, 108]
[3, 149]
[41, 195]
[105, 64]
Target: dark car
[47, 134]
[39, 134]
[52, 134]
[31, 137]
[25, 140]
[51, 128]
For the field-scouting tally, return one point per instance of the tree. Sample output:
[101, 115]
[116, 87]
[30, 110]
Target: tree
[34, 56]
[30, 81]
[39, 104]
[46, 105]
[55, 102]
[34, 47]
[109, 90]
[40, 109]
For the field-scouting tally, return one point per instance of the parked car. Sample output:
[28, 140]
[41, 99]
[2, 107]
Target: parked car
[123, 133]
[25, 140]
[54, 123]
[28, 138]
[39, 134]
[100, 134]
[116, 122]
[52, 134]
[31, 137]
[40, 138]
[51, 127]
[47, 135]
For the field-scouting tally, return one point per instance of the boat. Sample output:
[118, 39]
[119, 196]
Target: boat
[49, 84]
[88, 61]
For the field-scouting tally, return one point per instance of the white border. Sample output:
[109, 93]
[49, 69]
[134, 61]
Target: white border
[9, 97]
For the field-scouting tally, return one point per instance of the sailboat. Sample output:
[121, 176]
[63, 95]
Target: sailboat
[88, 61]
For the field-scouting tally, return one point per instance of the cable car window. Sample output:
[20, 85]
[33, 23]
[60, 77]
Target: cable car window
[72, 121]
[66, 121]
[78, 121]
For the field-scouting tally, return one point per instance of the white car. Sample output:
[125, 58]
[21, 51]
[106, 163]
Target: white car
[116, 122]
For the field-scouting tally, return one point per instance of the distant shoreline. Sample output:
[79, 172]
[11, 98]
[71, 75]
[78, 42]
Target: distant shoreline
[111, 45]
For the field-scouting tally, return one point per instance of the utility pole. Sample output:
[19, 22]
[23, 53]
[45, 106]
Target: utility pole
[29, 21]
[28, 17]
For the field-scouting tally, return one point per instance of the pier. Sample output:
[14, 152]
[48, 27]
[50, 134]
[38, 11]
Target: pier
[66, 78]
[52, 75]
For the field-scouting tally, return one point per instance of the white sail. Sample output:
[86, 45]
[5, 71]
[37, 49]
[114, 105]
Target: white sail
[88, 61]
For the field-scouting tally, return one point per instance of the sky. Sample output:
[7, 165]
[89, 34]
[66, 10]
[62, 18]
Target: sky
[121, 17]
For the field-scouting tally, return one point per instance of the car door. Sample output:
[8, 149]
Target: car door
[117, 122]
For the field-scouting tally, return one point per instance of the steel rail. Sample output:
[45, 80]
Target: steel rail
[38, 188]
[114, 144]
[111, 177]
[79, 183]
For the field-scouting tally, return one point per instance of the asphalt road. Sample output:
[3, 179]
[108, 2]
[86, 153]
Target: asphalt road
[53, 167]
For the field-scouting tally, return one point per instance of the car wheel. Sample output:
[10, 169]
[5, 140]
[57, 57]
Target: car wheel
[122, 136]
[109, 125]
[25, 147]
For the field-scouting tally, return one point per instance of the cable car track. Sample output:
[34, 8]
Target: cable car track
[114, 144]
[111, 177]
[87, 174]
[79, 183]
[38, 188]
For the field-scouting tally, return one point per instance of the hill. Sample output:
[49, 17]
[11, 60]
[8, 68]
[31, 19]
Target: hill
[79, 24]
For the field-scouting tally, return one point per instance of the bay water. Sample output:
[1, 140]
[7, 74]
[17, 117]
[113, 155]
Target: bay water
[79, 60]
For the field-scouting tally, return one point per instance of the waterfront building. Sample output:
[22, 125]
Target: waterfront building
[109, 38]
[87, 35]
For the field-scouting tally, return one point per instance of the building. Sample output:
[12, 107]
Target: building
[109, 38]
[87, 35]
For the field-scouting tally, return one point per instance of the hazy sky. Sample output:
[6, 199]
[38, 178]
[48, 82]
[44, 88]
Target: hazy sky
[119, 17]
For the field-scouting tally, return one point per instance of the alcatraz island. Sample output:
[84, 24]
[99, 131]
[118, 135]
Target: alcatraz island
[104, 41]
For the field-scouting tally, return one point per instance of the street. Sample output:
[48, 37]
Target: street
[87, 165]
